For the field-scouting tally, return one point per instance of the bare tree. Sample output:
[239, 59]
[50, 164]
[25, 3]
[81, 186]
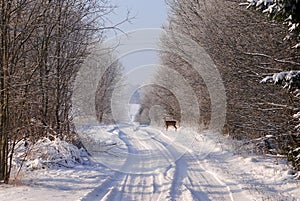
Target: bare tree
[156, 95]
[43, 44]
[244, 45]
[105, 89]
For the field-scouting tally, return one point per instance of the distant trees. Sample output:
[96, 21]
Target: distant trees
[106, 86]
[154, 96]
[43, 44]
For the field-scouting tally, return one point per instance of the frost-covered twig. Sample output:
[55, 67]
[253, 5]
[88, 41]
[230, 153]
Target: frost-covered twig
[270, 57]
[287, 62]
[257, 54]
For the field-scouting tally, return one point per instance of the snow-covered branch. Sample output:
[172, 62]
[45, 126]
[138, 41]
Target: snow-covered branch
[270, 57]
[282, 10]
[289, 80]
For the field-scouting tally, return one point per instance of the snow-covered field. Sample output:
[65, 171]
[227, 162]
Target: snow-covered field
[132, 162]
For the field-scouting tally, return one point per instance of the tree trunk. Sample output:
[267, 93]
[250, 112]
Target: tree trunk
[4, 82]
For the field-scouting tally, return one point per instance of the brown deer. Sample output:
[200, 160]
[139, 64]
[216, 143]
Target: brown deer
[170, 123]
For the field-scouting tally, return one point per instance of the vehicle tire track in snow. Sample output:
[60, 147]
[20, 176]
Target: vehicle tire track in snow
[116, 192]
[180, 177]
[201, 183]
[108, 188]
[210, 187]
[206, 186]
[105, 188]
[179, 165]
[179, 174]
[120, 186]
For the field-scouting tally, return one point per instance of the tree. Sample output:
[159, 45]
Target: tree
[286, 11]
[4, 73]
[290, 80]
[244, 46]
[106, 86]
[153, 96]
[43, 44]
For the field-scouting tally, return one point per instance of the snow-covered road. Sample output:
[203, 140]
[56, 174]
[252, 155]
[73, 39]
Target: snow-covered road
[146, 163]
[160, 167]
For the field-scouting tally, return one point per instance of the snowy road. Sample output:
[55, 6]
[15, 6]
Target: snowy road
[159, 167]
[144, 163]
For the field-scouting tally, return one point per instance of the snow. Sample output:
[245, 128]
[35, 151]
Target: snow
[133, 162]
[267, 79]
[289, 78]
[133, 110]
[279, 77]
[259, 3]
[296, 46]
[47, 153]
[297, 115]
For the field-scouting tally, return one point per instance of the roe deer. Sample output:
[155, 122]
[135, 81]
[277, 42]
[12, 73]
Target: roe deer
[170, 123]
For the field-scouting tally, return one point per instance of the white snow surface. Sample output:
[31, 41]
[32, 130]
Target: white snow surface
[132, 162]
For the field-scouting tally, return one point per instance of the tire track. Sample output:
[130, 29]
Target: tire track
[176, 174]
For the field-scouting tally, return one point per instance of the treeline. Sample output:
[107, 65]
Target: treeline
[43, 44]
[245, 46]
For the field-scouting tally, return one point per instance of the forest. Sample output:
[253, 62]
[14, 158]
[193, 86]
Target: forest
[253, 44]
[43, 44]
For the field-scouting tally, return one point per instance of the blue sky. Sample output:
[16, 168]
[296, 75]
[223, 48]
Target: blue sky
[148, 13]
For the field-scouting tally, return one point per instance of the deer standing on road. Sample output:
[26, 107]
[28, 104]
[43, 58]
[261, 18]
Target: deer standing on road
[170, 123]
